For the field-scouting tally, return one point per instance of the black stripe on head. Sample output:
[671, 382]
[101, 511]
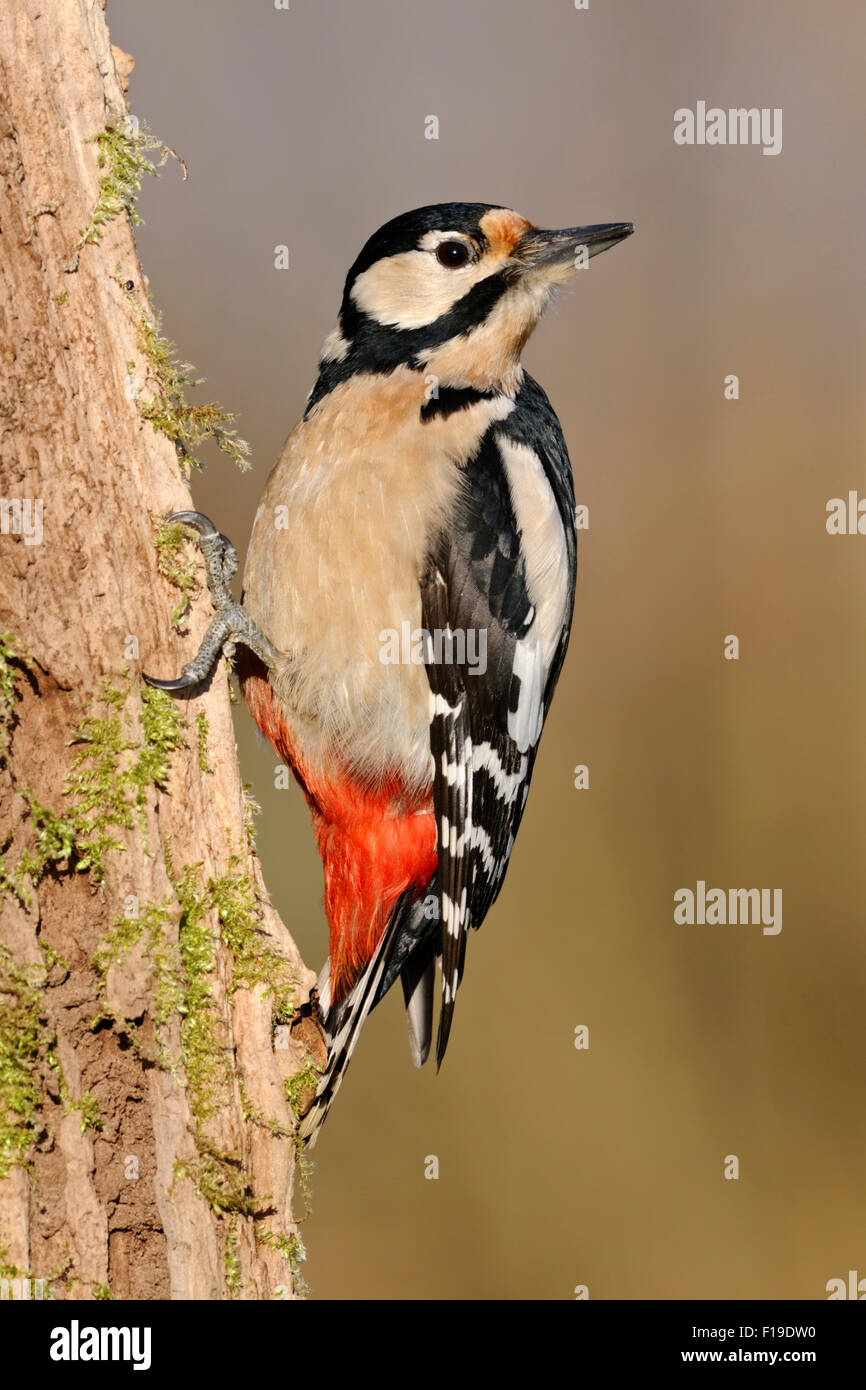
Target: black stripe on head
[378, 348]
[396, 345]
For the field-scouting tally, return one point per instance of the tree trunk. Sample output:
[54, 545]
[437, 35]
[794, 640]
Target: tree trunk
[146, 984]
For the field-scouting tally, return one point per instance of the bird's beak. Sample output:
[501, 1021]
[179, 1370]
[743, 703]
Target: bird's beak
[559, 252]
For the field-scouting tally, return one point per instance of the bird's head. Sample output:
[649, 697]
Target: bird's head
[455, 289]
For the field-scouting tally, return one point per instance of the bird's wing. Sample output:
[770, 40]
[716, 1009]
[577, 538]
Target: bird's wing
[497, 598]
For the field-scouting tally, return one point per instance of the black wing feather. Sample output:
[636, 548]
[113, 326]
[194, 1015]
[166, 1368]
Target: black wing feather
[476, 580]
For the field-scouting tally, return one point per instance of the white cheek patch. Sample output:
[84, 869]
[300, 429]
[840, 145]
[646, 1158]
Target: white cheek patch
[412, 290]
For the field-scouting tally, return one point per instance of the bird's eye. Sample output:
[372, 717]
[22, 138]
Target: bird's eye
[452, 254]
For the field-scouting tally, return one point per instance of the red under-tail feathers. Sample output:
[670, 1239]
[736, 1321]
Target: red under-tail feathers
[375, 843]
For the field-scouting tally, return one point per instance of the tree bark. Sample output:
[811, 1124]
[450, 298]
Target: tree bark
[146, 1134]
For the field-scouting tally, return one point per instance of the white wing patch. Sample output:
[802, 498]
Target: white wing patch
[542, 541]
[524, 723]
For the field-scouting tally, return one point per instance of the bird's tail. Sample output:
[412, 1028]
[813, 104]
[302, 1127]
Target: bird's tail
[406, 949]
[342, 1024]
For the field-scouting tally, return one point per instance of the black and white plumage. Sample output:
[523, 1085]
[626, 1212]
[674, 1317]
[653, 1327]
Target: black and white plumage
[428, 485]
[506, 567]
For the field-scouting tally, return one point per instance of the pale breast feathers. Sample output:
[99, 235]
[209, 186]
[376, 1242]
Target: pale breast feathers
[343, 528]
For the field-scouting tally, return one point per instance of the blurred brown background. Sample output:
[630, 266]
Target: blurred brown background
[707, 517]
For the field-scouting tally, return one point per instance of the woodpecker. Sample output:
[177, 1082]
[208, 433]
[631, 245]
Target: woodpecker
[407, 600]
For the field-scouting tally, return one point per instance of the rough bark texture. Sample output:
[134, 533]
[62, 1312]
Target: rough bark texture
[148, 1137]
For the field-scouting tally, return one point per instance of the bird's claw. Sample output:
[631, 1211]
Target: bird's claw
[184, 681]
[220, 556]
[231, 623]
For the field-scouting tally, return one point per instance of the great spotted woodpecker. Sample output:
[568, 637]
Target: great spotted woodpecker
[408, 597]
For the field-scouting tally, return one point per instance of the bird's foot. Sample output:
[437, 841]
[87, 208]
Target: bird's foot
[231, 624]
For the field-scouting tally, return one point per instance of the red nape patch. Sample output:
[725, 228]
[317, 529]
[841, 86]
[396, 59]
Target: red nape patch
[375, 842]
